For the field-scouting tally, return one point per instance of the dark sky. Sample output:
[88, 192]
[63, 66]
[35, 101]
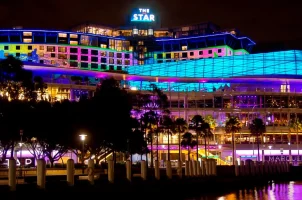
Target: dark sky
[278, 23]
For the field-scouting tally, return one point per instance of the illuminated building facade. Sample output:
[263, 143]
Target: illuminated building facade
[202, 69]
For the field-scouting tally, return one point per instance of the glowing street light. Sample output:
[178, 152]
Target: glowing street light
[83, 137]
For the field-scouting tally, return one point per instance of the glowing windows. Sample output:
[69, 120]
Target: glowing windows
[50, 48]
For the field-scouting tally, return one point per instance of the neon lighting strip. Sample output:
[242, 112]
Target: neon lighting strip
[205, 36]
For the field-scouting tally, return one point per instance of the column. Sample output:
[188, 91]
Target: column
[143, 170]
[110, 171]
[70, 172]
[91, 171]
[157, 172]
[12, 174]
[168, 169]
[41, 173]
[128, 170]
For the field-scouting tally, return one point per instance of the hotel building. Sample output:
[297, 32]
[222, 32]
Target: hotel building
[202, 68]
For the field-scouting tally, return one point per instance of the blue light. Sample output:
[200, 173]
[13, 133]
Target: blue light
[204, 36]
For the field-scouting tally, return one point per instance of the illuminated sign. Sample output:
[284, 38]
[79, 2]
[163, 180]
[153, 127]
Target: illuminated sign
[143, 15]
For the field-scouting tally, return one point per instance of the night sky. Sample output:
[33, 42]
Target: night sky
[270, 23]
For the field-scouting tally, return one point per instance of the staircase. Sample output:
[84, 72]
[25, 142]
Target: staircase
[219, 160]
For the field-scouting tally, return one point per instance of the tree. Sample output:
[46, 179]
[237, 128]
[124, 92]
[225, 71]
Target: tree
[257, 128]
[40, 87]
[150, 121]
[167, 127]
[197, 122]
[207, 134]
[296, 126]
[233, 126]
[188, 141]
[15, 82]
[112, 114]
[212, 122]
[180, 127]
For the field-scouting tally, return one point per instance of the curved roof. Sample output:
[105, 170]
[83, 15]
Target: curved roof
[282, 64]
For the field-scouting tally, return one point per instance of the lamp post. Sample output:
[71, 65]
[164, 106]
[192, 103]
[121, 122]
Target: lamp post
[83, 137]
[21, 144]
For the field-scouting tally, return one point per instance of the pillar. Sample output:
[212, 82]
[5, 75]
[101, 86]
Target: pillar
[190, 168]
[194, 168]
[198, 169]
[242, 170]
[206, 167]
[12, 174]
[110, 171]
[187, 168]
[143, 170]
[91, 171]
[266, 167]
[179, 169]
[236, 169]
[215, 167]
[157, 172]
[168, 169]
[41, 173]
[128, 170]
[70, 172]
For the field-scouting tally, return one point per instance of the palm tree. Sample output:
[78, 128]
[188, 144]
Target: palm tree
[207, 134]
[180, 127]
[233, 126]
[197, 121]
[257, 128]
[149, 120]
[212, 122]
[167, 126]
[188, 141]
[296, 126]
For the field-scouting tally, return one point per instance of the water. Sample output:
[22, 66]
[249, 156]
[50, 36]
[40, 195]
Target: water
[275, 191]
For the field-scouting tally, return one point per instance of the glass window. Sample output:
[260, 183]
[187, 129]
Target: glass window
[73, 64]
[84, 58]
[5, 47]
[200, 52]
[94, 52]
[62, 49]
[84, 51]
[41, 48]
[73, 57]
[127, 62]
[111, 61]
[104, 67]
[18, 47]
[74, 36]
[119, 55]
[84, 65]
[111, 54]
[62, 56]
[94, 66]
[73, 50]
[62, 35]
[103, 53]
[53, 55]
[103, 60]
[94, 59]
[127, 56]
[50, 49]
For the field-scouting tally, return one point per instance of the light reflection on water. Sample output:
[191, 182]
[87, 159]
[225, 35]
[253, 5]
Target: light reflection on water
[278, 191]
[275, 191]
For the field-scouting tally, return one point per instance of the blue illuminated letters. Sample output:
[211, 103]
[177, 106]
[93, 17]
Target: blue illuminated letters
[143, 15]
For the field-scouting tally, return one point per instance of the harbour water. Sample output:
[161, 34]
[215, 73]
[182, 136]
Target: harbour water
[275, 191]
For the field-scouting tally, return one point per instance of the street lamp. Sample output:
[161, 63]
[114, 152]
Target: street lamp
[83, 137]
